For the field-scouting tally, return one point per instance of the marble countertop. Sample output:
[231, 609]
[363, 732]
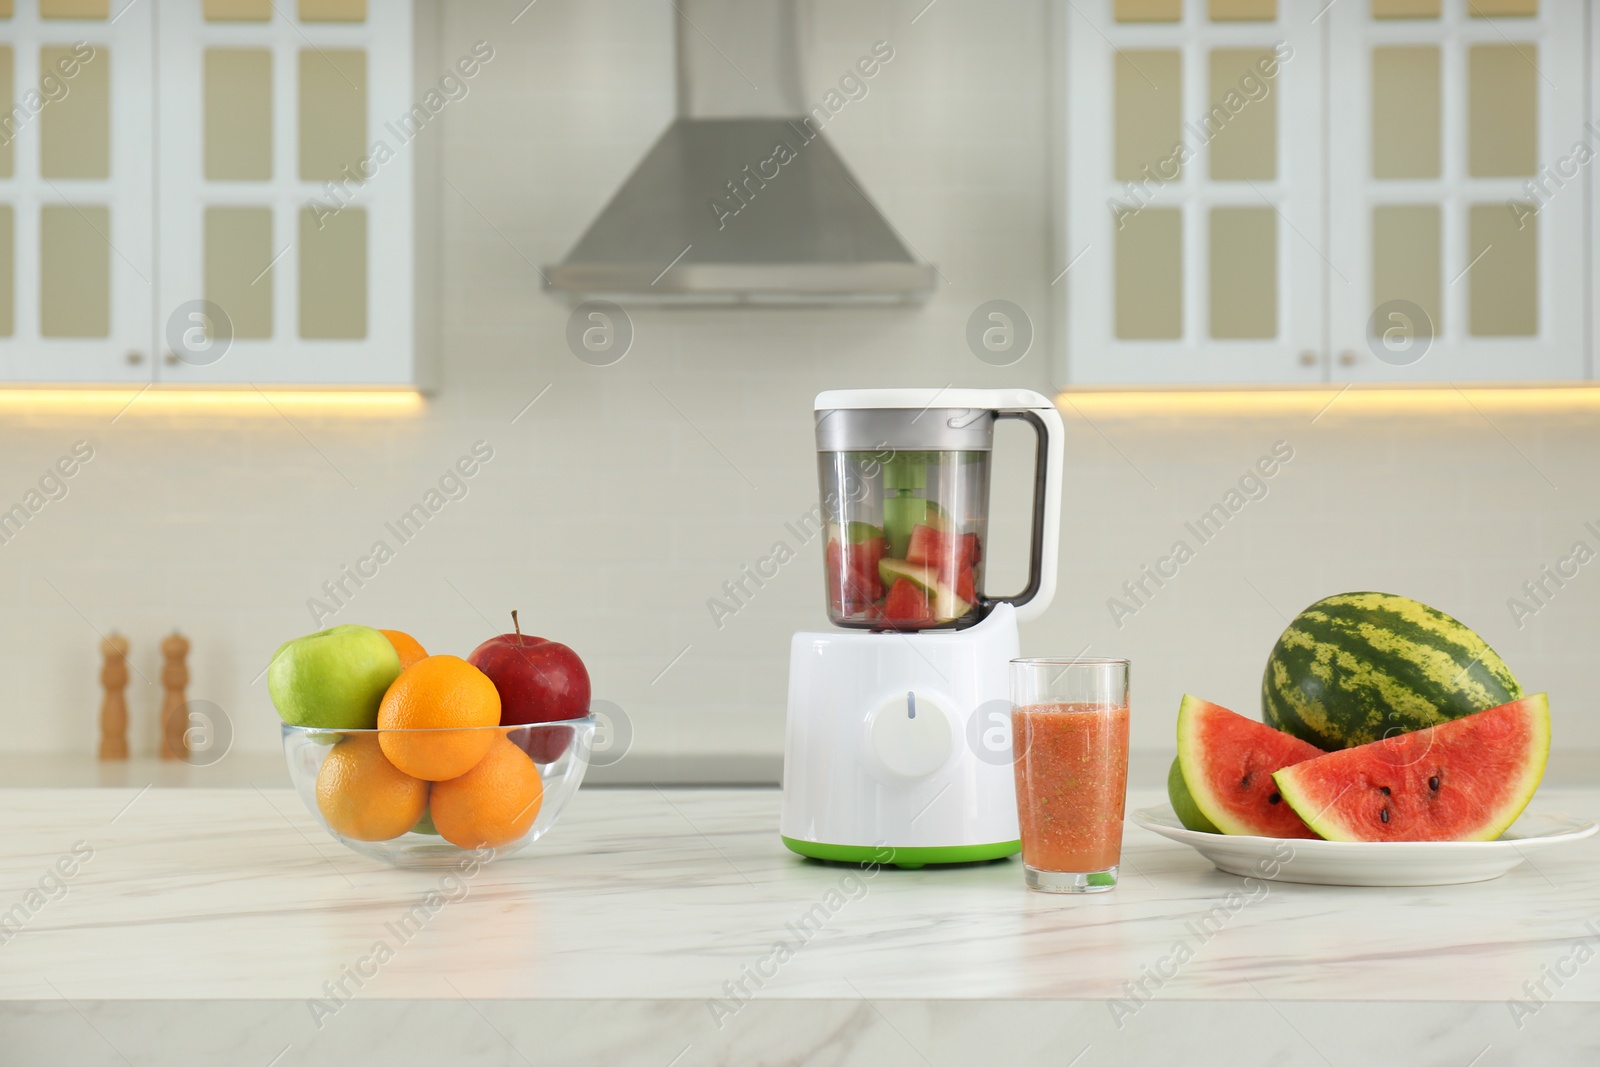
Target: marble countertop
[1575, 768]
[222, 925]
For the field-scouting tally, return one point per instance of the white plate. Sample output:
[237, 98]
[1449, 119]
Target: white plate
[1318, 862]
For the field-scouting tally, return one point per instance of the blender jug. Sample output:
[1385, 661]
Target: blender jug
[904, 476]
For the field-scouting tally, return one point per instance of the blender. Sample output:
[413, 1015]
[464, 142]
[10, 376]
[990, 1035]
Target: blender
[897, 746]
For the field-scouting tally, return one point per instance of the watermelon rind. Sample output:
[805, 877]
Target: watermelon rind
[1183, 804]
[1192, 713]
[1323, 817]
[1354, 668]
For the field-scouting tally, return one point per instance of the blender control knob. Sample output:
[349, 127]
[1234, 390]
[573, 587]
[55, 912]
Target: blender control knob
[911, 735]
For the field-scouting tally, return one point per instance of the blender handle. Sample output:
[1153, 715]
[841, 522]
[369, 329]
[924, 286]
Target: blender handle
[1046, 549]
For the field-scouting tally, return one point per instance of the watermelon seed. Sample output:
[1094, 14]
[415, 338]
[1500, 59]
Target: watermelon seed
[1384, 790]
[1274, 798]
[1384, 815]
[1433, 783]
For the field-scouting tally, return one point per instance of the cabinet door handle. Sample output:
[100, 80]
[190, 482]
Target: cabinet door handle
[1347, 358]
[1308, 358]
[135, 358]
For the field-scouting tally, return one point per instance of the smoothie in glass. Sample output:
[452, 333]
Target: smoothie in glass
[1071, 784]
[1069, 737]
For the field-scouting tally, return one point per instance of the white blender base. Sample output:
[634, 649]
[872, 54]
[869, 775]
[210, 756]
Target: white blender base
[882, 759]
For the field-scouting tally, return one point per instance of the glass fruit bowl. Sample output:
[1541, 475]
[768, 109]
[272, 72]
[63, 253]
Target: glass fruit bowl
[512, 794]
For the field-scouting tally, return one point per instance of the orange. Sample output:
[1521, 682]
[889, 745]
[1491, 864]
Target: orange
[436, 694]
[409, 648]
[364, 796]
[491, 805]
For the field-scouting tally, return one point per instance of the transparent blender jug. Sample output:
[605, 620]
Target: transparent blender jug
[905, 498]
[908, 523]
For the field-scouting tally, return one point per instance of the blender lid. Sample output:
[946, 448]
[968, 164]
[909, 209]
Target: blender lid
[922, 399]
[938, 420]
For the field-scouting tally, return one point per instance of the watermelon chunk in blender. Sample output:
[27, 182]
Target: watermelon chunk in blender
[852, 554]
[907, 603]
[953, 555]
[929, 503]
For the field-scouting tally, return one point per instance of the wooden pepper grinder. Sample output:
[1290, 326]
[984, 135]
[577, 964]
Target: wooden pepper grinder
[174, 679]
[114, 704]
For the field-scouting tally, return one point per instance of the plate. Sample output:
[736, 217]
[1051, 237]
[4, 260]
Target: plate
[1372, 863]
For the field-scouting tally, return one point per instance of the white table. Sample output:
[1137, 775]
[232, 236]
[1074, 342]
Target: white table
[210, 924]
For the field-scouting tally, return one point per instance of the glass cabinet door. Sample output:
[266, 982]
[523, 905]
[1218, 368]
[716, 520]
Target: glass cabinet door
[1195, 190]
[76, 268]
[290, 148]
[1459, 190]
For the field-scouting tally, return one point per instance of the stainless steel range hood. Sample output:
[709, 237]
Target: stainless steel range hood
[742, 199]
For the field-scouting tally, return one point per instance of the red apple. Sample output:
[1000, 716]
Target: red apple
[538, 681]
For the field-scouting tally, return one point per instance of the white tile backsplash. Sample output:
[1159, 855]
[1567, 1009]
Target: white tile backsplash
[608, 518]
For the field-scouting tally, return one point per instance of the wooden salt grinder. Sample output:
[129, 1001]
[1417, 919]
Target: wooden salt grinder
[114, 704]
[174, 679]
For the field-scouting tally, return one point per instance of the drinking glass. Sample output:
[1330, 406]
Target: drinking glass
[1069, 729]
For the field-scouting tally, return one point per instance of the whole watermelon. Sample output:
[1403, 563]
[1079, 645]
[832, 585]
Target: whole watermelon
[1356, 667]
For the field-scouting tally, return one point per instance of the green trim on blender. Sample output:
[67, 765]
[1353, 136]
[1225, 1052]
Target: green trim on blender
[904, 858]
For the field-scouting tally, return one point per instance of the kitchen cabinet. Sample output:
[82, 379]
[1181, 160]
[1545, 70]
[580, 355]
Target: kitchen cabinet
[254, 207]
[1444, 126]
[77, 268]
[1275, 193]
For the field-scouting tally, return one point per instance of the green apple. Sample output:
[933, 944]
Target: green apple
[334, 679]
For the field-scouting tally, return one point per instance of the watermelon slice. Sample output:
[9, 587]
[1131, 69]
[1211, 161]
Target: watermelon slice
[927, 546]
[862, 583]
[965, 585]
[1465, 780]
[907, 602]
[936, 548]
[854, 585]
[1226, 763]
[945, 603]
[953, 556]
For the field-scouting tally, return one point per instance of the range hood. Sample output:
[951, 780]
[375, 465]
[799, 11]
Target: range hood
[742, 199]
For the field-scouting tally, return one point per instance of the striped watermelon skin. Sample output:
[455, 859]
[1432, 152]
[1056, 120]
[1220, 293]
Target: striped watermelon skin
[1357, 667]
